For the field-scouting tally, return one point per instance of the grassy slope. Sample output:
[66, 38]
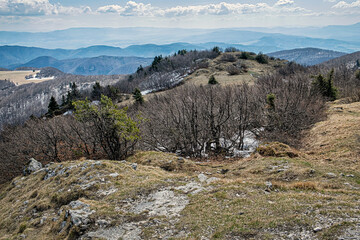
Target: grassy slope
[237, 206]
[218, 68]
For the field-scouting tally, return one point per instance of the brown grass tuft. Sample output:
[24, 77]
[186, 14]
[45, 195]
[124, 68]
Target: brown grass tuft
[277, 149]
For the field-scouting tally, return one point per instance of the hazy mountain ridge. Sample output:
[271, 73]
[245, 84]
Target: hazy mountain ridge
[102, 65]
[120, 37]
[307, 56]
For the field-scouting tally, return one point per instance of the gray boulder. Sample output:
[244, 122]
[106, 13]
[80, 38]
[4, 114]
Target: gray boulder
[31, 167]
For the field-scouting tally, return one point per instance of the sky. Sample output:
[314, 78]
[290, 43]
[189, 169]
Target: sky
[49, 15]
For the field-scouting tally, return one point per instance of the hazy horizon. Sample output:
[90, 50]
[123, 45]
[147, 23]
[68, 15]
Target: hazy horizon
[50, 15]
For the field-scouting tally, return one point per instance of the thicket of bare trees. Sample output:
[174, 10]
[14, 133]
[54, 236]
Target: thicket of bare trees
[213, 119]
[197, 120]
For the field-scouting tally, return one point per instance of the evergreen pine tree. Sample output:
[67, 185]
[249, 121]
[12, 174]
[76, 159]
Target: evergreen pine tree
[326, 86]
[53, 106]
[357, 74]
[74, 91]
[63, 101]
[212, 80]
[139, 69]
[138, 96]
[331, 91]
[96, 92]
[270, 100]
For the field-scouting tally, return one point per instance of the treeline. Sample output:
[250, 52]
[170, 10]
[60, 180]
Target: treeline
[167, 72]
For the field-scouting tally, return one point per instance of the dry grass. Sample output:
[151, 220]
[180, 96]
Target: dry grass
[18, 77]
[166, 161]
[336, 141]
[219, 69]
[277, 149]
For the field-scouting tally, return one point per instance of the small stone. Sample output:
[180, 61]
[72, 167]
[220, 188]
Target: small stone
[102, 223]
[317, 229]
[268, 185]
[180, 160]
[241, 213]
[350, 175]
[202, 177]
[42, 220]
[331, 175]
[223, 171]
[134, 166]
[113, 174]
[78, 204]
[63, 224]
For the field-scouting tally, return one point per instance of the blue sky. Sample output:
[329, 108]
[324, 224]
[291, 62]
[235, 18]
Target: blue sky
[47, 15]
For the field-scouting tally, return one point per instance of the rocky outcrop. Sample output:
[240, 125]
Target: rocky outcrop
[31, 167]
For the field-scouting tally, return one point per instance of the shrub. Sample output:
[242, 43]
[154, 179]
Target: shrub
[138, 96]
[247, 55]
[212, 80]
[216, 50]
[228, 58]
[233, 70]
[22, 227]
[116, 133]
[244, 67]
[231, 49]
[270, 100]
[261, 58]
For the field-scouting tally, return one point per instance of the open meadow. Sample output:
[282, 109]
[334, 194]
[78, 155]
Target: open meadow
[18, 77]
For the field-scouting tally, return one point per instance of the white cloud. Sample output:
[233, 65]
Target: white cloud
[36, 8]
[139, 9]
[130, 9]
[343, 4]
[284, 3]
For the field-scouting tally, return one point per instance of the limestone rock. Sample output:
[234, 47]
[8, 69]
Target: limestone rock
[32, 166]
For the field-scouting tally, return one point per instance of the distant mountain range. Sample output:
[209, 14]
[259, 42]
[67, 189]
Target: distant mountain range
[307, 56]
[102, 65]
[337, 38]
[11, 56]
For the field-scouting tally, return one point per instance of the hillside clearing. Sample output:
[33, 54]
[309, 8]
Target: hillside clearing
[18, 77]
[219, 68]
